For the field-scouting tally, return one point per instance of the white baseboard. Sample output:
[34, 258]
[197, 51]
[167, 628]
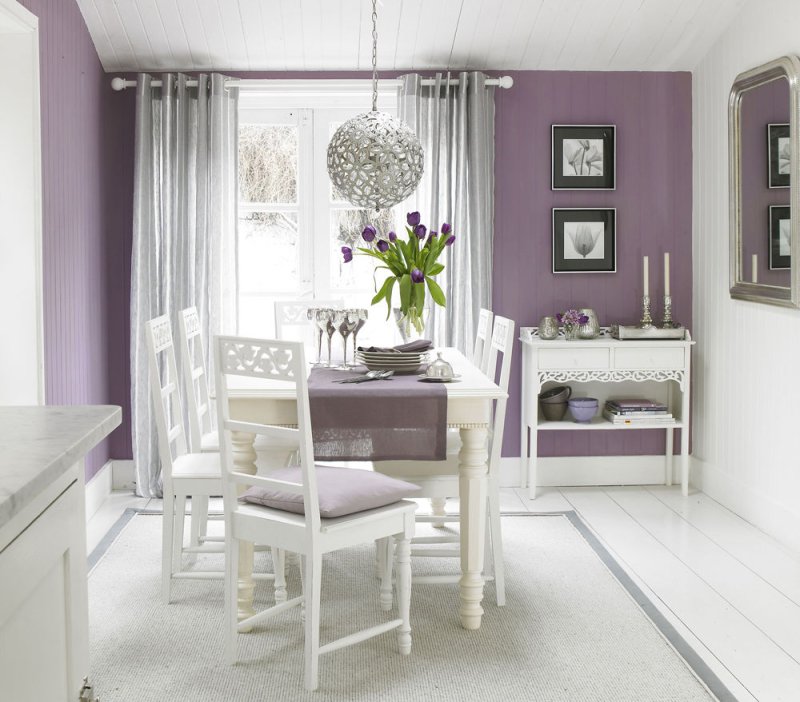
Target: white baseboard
[760, 510]
[124, 474]
[98, 489]
[573, 471]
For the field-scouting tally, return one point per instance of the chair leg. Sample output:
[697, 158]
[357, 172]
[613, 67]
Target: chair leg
[497, 544]
[167, 526]
[403, 557]
[384, 547]
[231, 599]
[303, 583]
[177, 536]
[313, 585]
[380, 554]
[438, 508]
[279, 568]
[199, 521]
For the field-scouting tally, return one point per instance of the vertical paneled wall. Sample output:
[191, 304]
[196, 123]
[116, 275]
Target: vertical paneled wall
[747, 378]
[653, 198]
[77, 232]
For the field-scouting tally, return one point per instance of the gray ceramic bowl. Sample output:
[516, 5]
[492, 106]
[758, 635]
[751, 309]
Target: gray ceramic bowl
[554, 411]
[555, 395]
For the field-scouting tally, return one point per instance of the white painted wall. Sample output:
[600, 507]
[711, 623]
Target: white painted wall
[746, 439]
[21, 350]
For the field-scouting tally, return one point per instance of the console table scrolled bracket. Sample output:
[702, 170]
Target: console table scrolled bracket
[602, 360]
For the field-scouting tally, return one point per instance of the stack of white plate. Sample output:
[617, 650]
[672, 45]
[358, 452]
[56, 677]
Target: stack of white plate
[398, 362]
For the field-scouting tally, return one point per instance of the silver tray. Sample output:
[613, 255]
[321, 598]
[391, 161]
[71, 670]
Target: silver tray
[622, 332]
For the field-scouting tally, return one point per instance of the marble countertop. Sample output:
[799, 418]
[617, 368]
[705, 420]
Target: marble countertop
[38, 444]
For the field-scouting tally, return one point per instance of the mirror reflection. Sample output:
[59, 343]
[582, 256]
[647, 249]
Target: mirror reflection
[765, 150]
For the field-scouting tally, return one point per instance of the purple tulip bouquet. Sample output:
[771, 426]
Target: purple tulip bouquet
[412, 265]
[572, 321]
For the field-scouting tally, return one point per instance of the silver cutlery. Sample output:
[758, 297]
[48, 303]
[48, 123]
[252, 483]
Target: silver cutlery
[369, 375]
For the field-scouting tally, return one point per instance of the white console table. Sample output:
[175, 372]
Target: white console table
[598, 363]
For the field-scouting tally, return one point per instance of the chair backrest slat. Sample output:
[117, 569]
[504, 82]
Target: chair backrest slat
[164, 392]
[481, 349]
[502, 342]
[195, 379]
[268, 359]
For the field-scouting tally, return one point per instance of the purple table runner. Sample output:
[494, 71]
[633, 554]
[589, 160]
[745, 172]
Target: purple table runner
[380, 420]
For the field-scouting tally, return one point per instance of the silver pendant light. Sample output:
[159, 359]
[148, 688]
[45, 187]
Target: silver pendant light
[375, 160]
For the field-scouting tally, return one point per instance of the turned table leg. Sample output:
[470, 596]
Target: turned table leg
[473, 471]
[244, 459]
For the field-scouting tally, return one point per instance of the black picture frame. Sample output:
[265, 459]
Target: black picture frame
[778, 155]
[577, 229]
[779, 242]
[570, 146]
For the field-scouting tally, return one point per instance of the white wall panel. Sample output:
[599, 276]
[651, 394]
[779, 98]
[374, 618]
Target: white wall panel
[747, 363]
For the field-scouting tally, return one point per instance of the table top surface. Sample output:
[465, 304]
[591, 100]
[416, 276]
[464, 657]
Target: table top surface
[472, 383]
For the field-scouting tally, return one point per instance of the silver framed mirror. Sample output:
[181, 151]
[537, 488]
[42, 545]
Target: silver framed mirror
[764, 183]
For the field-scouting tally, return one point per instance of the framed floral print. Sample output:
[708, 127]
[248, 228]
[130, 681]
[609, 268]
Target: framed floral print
[584, 240]
[583, 157]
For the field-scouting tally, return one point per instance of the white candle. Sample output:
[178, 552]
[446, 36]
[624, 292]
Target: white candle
[646, 265]
[666, 275]
[755, 268]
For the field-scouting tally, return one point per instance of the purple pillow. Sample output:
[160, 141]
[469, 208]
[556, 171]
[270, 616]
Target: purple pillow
[341, 491]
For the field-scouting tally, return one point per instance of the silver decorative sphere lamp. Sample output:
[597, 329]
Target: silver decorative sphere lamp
[374, 159]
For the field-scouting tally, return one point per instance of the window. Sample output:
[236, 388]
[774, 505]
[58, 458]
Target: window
[293, 223]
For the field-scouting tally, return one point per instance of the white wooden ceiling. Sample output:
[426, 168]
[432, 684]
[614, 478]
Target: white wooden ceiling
[279, 35]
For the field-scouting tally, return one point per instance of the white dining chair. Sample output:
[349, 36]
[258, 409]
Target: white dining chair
[184, 475]
[291, 508]
[439, 479]
[202, 435]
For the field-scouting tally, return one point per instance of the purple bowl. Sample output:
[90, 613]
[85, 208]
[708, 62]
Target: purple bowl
[583, 408]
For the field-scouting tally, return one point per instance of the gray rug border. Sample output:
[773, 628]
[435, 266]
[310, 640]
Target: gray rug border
[693, 660]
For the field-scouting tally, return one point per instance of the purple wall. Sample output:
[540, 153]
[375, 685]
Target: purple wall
[653, 198]
[84, 214]
[653, 114]
[767, 104]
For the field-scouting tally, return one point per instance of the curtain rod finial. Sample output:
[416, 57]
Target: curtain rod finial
[118, 84]
[505, 81]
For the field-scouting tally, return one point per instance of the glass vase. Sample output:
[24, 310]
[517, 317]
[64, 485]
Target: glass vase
[412, 325]
[571, 332]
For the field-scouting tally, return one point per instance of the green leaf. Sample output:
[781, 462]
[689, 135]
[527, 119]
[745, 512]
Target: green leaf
[419, 297]
[405, 292]
[390, 286]
[386, 287]
[436, 268]
[436, 292]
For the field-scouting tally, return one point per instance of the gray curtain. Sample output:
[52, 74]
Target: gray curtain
[456, 127]
[184, 229]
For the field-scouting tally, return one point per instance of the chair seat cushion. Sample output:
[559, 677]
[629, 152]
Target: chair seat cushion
[197, 465]
[342, 491]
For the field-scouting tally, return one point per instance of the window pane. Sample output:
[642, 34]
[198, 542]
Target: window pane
[268, 163]
[268, 252]
[346, 228]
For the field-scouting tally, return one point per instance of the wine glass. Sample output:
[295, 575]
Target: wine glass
[362, 320]
[320, 317]
[330, 329]
[345, 322]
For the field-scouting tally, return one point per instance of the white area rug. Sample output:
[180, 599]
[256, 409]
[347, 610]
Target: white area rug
[570, 631]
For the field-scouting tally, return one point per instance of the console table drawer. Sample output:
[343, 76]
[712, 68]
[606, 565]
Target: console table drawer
[574, 358]
[641, 358]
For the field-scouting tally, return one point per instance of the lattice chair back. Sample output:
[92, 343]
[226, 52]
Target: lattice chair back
[480, 352]
[502, 346]
[266, 359]
[195, 380]
[165, 393]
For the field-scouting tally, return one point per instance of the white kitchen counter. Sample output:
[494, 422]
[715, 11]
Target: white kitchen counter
[39, 444]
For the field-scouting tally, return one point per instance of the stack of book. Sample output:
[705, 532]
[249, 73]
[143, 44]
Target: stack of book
[636, 411]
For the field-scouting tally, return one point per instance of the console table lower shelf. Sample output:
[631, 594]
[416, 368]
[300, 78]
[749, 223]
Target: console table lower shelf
[606, 366]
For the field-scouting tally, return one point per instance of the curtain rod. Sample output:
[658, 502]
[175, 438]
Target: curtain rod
[122, 83]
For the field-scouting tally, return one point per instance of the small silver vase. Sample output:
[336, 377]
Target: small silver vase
[548, 328]
[591, 329]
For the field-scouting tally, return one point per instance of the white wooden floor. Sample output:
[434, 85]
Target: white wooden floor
[731, 591]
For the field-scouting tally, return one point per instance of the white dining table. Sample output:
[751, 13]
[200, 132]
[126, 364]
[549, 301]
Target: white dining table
[469, 404]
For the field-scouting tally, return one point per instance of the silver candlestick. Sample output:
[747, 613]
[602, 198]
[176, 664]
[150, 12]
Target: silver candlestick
[646, 321]
[666, 321]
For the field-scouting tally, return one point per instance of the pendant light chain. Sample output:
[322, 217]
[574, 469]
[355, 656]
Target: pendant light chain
[374, 56]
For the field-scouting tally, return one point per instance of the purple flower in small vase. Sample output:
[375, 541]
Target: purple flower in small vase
[417, 276]
[383, 246]
[347, 252]
[413, 219]
[369, 233]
